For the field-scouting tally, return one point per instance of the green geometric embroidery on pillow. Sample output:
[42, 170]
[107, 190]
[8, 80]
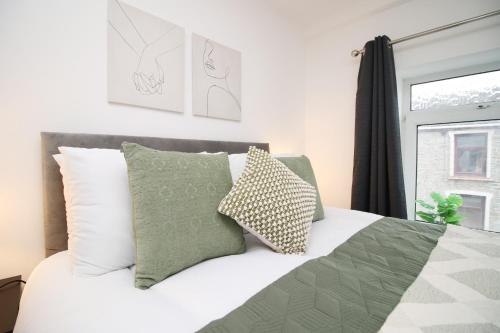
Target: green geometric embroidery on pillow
[175, 198]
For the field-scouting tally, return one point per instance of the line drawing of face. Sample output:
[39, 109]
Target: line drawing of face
[219, 93]
[210, 65]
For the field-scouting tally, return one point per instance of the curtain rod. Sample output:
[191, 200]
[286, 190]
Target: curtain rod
[355, 53]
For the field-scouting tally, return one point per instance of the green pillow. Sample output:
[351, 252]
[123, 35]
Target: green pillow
[175, 198]
[301, 166]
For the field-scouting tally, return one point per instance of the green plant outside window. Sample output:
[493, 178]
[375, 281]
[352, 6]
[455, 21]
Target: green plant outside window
[444, 210]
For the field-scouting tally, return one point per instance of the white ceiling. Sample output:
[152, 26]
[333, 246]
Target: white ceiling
[309, 14]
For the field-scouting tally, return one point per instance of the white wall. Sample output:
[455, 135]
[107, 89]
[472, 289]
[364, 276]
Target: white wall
[331, 73]
[53, 78]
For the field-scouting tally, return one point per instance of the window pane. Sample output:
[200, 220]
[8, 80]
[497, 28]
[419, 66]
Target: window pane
[471, 154]
[464, 90]
[444, 149]
[473, 211]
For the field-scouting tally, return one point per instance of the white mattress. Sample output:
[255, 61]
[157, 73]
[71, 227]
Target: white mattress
[55, 301]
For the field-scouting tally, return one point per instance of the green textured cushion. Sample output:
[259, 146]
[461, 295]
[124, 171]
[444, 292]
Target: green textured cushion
[175, 198]
[302, 167]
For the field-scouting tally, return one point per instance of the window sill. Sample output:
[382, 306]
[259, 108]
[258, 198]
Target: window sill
[481, 179]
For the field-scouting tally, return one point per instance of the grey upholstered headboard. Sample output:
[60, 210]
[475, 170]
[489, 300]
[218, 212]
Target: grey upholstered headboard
[56, 237]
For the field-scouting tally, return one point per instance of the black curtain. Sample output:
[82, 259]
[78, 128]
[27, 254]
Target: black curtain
[378, 185]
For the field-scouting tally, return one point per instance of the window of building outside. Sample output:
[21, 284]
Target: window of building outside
[451, 134]
[473, 210]
[469, 155]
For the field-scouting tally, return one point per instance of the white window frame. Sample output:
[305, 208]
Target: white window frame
[489, 137]
[487, 203]
[410, 120]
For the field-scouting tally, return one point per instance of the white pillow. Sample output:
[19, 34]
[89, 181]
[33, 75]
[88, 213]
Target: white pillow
[237, 164]
[98, 210]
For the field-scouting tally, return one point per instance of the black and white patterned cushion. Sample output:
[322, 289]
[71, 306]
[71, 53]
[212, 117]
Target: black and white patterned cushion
[272, 202]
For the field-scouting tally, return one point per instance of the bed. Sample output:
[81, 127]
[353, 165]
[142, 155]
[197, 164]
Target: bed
[54, 300]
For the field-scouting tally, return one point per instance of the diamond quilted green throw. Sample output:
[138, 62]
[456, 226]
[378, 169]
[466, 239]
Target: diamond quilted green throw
[353, 289]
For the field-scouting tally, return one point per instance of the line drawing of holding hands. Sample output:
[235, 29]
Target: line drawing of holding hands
[149, 74]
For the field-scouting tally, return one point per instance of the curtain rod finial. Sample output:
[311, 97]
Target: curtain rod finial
[356, 53]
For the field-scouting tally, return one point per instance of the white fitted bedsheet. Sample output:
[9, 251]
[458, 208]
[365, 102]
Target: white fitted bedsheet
[56, 301]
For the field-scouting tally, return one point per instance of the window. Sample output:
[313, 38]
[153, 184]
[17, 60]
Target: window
[473, 210]
[451, 141]
[481, 88]
[465, 150]
[469, 154]
[476, 208]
